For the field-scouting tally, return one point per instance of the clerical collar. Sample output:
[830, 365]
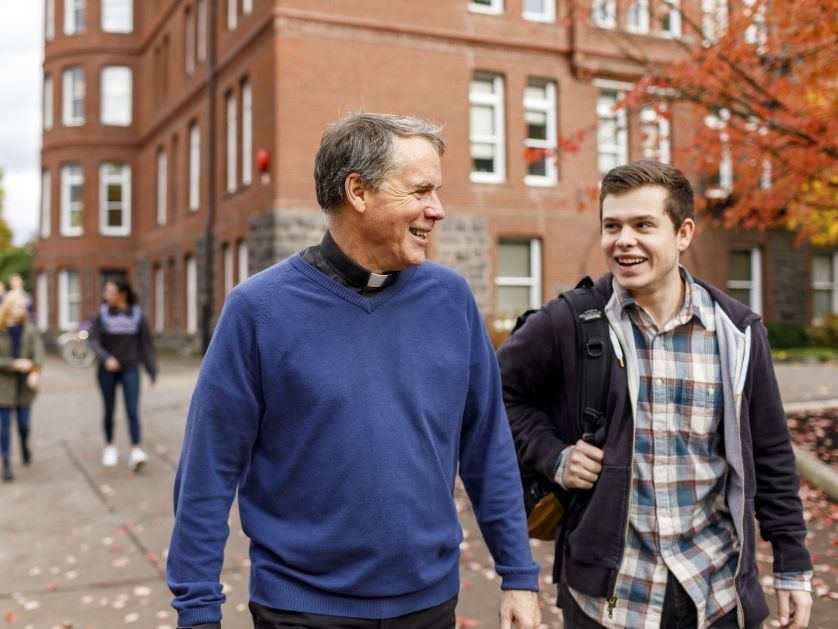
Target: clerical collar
[328, 258]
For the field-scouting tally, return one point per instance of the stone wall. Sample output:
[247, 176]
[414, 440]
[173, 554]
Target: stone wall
[790, 278]
[462, 243]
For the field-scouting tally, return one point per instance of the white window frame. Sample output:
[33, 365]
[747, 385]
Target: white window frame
[714, 19]
[42, 302]
[232, 142]
[620, 147]
[661, 151]
[47, 102]
[243, 256]
[725, 187]
[227, 257]
[232, 15]
[495, 100]
[191, 295]
[824, 286]
[71, 175]
[121, 178]
[548, 14]
[495, 7]
[72, 93]
[66, 299]
[533, 281]
[194, 167]
[117, 16]
[46, 203]
[160, 297]
[116, 104]
[673, 9]
[638, 19]
[162, 186]
[754, 285]
[72, 10]
[201, 36]
[49, 20]
[546, 106]
[189, 37]
[247, 7]
[604, 13]
[247, 133]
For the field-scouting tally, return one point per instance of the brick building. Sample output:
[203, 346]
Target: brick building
[179, 137]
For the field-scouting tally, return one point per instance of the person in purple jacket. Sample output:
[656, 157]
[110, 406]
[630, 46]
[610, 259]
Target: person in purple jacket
[343, 391]
[662, 531]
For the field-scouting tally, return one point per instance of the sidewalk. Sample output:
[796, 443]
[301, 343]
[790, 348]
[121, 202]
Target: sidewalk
[84, 547]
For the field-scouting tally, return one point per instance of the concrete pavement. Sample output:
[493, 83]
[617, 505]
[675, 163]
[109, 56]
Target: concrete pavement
[84, 547]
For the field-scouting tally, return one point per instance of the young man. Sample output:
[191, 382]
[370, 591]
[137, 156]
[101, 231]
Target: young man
[697, 441]
[343, 390]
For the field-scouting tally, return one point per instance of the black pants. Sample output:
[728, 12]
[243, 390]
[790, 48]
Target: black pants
[439, 617]
[678, 610]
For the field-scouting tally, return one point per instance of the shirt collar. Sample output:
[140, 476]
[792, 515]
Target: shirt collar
[351, 272]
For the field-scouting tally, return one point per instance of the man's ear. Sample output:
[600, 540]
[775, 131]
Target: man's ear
[685, 234]
[355, 190]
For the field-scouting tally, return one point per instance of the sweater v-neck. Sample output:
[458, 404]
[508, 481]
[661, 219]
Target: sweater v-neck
[368, 304]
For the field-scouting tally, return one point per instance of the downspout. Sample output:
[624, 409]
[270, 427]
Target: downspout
[209, 231]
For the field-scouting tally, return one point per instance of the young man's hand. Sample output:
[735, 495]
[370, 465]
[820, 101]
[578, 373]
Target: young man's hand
[796, 615]
[519, 608]
[583, 465]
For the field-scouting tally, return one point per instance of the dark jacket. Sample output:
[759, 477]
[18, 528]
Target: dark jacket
[131, 348]
[539, 370]
[13, 388]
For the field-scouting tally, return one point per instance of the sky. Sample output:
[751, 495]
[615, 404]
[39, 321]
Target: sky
[21, 59]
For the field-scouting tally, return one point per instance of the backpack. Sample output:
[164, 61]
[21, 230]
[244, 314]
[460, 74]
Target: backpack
[545, 502]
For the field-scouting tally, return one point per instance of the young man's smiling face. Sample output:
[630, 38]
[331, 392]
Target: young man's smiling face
[641, 245]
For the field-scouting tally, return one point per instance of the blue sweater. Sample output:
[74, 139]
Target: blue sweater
[343, 421]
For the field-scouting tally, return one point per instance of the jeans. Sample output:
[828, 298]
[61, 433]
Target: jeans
[23, 413]
[130, 379]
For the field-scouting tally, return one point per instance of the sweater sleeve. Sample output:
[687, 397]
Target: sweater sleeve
[147, 352]
[221, 428]
[95, 339]
[489, 469]
[777, 502]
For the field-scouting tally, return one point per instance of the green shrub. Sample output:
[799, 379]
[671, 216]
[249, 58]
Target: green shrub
[786, 335]
[824, 334]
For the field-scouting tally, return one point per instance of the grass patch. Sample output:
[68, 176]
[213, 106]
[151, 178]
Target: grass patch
[805, 354]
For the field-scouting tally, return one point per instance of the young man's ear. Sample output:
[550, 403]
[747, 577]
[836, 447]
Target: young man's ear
[685, 234]
[355, 190]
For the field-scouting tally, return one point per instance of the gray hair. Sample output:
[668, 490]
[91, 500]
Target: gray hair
[363, 144]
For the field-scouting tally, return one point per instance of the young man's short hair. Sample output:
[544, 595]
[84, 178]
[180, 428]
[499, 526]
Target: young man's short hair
[680, 202]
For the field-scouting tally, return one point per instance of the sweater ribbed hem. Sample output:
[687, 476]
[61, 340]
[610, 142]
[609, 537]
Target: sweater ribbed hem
[279, 592]
[199, 616]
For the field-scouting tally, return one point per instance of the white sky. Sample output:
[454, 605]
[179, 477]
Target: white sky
[21, 58]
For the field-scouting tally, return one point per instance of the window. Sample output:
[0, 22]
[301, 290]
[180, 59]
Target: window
[487, 137]
[162, 186]
[745, 283]
[202, 30]
[194, 167]
[244, 262]
[247, 134]
[671, 18]
[46, 203]
[720, 181]
[159, 298]
[494, 7]
[116, 95]
[612, 136]
[654, 134]
[191, 295]
[824, 285]
[117, 16]
[604, 13]
[539, 10]
[247, 7]
[541, 133]
[189, 41]
[69, 299]
[518, 283]
[232, 16]
[74, 16]
[115, 199]
[47, 103]
[42, 301]
[72, 205]
[637, 17]
[49, 20]
[713, 19]
[756, 32]
[72, 112]
[232, 120]
[227, 258]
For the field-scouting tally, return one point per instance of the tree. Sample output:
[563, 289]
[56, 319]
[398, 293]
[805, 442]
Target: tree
[13, 259]
[5, 231]
[759, 81]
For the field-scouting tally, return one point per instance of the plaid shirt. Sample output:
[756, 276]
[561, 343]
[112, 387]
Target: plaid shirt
[678, 518]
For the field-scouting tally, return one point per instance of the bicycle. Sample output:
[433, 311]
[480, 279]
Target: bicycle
[74, 347]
